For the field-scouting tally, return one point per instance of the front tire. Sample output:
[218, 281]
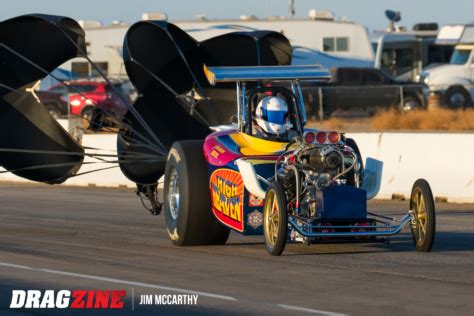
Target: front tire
[187, 203]
[457, 98]
[275, 219]
[422, 204]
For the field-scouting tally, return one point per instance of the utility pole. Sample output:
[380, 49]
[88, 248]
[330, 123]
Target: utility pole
[291, 8]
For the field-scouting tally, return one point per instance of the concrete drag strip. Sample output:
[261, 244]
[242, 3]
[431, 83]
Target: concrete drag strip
[161, 287]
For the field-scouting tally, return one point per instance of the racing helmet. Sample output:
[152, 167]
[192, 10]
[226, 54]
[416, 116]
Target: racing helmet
[272, 115]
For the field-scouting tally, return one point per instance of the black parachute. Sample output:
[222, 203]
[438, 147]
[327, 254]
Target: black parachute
[166, 66]
[163, 62]
[33, 145]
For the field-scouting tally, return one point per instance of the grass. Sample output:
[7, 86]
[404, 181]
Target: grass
[436, 119]
[432, 120]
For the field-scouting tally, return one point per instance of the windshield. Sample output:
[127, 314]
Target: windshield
[460, 56]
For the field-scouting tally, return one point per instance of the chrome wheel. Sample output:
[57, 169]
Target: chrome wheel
[173, 194]
[272, 219]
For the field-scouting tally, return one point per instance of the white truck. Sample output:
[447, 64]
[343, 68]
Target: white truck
[454, 82]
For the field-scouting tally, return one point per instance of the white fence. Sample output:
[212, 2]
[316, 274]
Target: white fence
[107, 178]
[442, 159]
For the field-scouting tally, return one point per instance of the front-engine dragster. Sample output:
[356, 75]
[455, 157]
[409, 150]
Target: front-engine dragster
[265, 173]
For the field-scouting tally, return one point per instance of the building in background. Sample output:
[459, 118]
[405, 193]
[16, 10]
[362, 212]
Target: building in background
[319, 39]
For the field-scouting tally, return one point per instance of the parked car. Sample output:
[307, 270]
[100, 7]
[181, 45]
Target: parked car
[366, 89]
[85, 96]
[453, 81]
[55, 103]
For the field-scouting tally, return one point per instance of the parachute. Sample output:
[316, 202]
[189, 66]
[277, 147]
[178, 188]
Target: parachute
[32, 144]
[163, 62]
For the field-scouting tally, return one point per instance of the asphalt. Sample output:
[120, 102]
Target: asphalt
[72, 238]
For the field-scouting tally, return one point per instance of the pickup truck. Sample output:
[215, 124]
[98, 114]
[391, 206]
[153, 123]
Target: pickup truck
[453, 82]
[363, 89]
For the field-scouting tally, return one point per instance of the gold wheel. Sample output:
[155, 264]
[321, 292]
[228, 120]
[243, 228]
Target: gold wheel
[275, 219]
[420, 215]
[271, 218]
[423, 209]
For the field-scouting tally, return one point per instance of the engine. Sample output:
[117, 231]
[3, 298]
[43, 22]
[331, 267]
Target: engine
[307, 169]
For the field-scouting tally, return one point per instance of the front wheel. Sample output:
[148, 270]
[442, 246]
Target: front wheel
[423, 208]
[275, 219]
[457, 98]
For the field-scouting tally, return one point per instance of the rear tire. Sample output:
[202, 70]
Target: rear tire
[422, 203]
[187, 202]
[275, 219]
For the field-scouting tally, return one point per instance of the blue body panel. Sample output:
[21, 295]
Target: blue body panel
[343, 202]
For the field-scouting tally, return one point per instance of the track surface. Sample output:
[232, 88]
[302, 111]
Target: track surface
[69, 238]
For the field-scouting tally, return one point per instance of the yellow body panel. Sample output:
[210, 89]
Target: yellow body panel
[253, 146]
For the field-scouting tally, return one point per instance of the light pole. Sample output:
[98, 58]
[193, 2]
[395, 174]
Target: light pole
[291, 8]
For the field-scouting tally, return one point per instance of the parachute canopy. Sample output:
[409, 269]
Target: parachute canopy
[33, 145]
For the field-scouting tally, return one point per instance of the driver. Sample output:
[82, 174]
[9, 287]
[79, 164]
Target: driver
[271, 116]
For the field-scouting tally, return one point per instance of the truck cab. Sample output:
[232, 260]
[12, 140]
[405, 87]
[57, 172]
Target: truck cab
[453, 82]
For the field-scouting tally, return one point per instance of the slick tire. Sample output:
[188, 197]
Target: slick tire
[187, 202]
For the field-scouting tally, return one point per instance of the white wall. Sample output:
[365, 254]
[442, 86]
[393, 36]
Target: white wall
[108, 178]
[442, 159]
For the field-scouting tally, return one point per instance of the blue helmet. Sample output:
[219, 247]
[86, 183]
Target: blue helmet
[272, 115]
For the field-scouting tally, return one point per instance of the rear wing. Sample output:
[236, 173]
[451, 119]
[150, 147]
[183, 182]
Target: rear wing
[256, 73]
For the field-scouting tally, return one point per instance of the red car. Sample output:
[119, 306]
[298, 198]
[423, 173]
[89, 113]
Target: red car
[85, 96]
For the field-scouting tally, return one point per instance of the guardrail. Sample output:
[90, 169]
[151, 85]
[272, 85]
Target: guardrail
[443, 159]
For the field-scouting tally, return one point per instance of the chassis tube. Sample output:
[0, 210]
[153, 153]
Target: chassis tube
[404, 221]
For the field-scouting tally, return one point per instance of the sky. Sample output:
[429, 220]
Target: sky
[367, 12]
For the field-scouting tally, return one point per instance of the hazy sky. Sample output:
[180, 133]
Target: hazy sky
[367, 12]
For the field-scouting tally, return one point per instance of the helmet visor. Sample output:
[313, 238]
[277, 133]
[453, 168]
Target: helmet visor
[275, 117]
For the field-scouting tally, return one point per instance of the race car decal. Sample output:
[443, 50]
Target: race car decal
[255, 201]
[217, 154]
[255, 219]
[227, 195]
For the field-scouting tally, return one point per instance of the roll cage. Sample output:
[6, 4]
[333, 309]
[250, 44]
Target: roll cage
[289, 77]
